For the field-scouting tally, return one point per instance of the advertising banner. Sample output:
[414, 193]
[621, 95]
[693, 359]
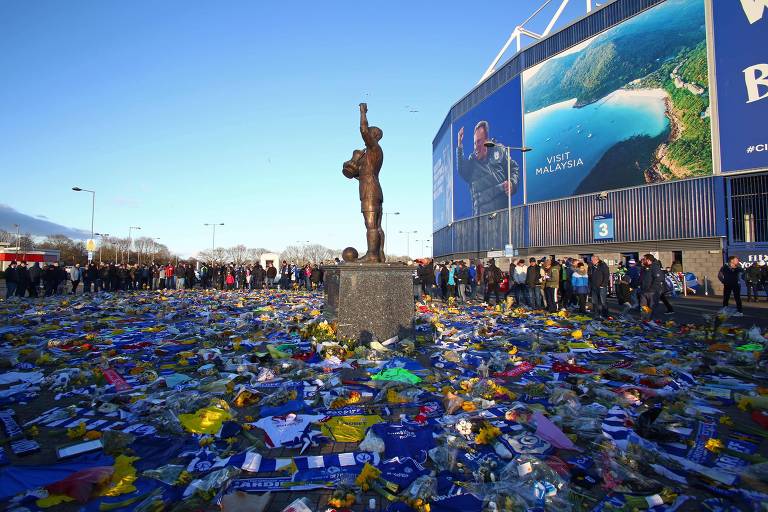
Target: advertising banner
[480, 182]
[626, 107]
[741, 66]
[442, 177]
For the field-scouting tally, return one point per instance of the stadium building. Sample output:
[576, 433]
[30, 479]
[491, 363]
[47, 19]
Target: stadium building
[640, 127]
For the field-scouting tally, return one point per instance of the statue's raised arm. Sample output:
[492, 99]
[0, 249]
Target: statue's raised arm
[368, 137]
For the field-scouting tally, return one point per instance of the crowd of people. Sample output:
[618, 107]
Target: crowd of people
[32, 280]
[543, 284]
[552, 284]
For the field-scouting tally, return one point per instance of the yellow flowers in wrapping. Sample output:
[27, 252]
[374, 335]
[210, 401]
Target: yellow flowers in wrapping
[487, 434]
[367, 476]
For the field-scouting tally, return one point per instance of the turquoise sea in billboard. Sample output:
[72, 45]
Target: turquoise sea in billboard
[576, 138]
[626, 107]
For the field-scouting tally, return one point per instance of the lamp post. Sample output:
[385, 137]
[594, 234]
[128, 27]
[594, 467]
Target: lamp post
[507, 149]
[18, 239]
[93, 206]
[421, 254]
[102, 236]
[408, 241]
[386, 227]
[213, 237]
[130, 240]
[154, 246]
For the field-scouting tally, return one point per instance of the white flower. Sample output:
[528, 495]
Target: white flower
[464, 427]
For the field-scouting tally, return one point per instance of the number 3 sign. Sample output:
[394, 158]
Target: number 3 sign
[602, 227]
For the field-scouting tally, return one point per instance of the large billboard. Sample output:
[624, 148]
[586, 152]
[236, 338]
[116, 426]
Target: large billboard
[480, 182]
[626, 107]
[741, 62]
[442, 180]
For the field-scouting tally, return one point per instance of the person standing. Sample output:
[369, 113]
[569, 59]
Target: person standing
[566, 289]
[444, 273]
[599, 279]
[179, 275]
[90, 276]
[533, 283]
[651, 283]
[35, 274]
[730, 275]
[452, 280]
[462, 280]
[519, 275]
[763, 278]
[752, 277]
[22, 279]
[493, 279]
[633, 272]
[271, 275]
[580, 285]
[551, 284]
[472, 279]
[11, 280]
[49, 280]
[74, 276]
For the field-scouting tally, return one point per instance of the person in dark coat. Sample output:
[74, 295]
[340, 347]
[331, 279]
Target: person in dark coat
[35, 274]
[189, 281]
[50, 279]
[23, 279]
[11, 279]
[534, 284]
[730, 275]
[599, 280]
[91, 276]
[493, 278]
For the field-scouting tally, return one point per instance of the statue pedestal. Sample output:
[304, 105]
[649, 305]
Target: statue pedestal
[370, 301]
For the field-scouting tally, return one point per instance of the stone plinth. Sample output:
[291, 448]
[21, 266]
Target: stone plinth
[370, 301]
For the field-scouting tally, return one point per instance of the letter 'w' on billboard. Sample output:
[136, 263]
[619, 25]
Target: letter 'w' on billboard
[754, 9]
[741, 67]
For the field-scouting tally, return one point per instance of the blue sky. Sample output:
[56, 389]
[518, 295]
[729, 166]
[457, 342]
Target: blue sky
[184, 112]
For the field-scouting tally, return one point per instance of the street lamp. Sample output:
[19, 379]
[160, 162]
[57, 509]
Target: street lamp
[213, 238]
[386, 227]
[102, 236]
[18, 239]
[493, 144]
[93, 205]
[130, 241]
[421, 254]
[408, 241]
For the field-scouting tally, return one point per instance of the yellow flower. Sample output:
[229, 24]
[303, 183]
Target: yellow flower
[76, 432]
[726, 420]
[577, 334]
[714, 445]
[367, 475]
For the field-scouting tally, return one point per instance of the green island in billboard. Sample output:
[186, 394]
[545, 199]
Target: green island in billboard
[626, 107]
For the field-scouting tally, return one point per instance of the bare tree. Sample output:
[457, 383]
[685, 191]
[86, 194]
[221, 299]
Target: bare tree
[293, 253]
[70, 251]
[254, 254]
[211, 257]
[237, 254]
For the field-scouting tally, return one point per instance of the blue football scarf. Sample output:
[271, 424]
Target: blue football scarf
[253, 462]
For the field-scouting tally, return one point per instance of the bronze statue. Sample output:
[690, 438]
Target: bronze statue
[365, 165]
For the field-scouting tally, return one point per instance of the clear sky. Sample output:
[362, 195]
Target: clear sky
[184, 112]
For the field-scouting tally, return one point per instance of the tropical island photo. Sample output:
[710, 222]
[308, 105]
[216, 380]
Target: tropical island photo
[626, 107]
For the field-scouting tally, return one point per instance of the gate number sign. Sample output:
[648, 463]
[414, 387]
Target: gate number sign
[602, 226]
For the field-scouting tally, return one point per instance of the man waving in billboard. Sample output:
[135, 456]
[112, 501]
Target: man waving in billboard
[486, 172]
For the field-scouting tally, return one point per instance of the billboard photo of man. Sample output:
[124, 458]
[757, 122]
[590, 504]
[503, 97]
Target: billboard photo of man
[485, 171]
